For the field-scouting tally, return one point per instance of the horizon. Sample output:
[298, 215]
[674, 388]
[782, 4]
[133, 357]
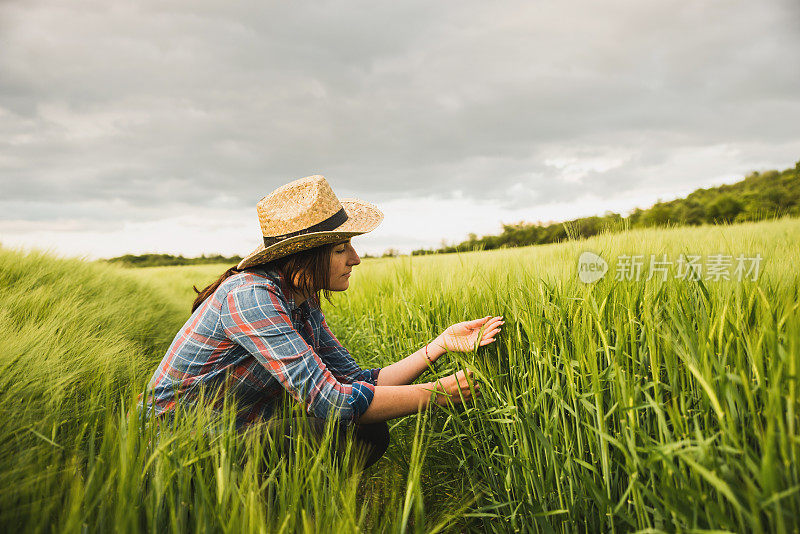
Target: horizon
[398, 253]
[624, 214]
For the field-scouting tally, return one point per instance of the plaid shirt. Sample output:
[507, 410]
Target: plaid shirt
[250, 339]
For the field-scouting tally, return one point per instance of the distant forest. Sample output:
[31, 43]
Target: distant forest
[759, 196]
[158, 260]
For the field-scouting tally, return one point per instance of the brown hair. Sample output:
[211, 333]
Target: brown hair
[314, 262]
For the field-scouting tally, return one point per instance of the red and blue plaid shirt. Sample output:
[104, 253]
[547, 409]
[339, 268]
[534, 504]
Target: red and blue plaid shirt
[250, 339]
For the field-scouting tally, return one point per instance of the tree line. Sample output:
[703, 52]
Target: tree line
[759, 196]
[158, 260]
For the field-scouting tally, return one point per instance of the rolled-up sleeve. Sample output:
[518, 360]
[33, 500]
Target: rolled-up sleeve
[257, 318]
[339, 360]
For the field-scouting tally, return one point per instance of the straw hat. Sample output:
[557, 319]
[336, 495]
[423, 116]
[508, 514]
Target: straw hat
[305, 214]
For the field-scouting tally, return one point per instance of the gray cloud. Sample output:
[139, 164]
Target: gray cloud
[152, 106]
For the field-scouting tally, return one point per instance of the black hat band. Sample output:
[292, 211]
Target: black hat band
[329, 224]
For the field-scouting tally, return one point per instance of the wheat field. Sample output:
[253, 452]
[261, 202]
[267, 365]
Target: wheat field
[618, 406]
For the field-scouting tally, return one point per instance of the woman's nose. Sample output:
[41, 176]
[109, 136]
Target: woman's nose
[354, 259]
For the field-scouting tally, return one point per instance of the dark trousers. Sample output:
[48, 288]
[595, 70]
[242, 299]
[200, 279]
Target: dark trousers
[370, 440]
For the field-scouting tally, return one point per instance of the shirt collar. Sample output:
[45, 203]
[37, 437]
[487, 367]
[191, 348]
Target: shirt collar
[277, 277]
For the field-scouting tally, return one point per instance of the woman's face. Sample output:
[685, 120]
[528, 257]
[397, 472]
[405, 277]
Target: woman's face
[343, 258]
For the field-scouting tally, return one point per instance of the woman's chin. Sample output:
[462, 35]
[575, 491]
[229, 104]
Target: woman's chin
[341, 286]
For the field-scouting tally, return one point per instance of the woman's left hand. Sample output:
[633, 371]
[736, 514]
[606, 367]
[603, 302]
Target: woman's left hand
[467, 336]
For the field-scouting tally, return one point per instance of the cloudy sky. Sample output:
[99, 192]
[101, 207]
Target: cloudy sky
[156, 126]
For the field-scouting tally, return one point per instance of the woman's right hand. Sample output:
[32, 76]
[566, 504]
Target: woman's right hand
[389, 402]
[450, 386]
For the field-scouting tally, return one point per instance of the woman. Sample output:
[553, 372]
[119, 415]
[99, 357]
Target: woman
[258, 332]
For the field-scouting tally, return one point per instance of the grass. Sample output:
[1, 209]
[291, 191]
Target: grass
[617, 406]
